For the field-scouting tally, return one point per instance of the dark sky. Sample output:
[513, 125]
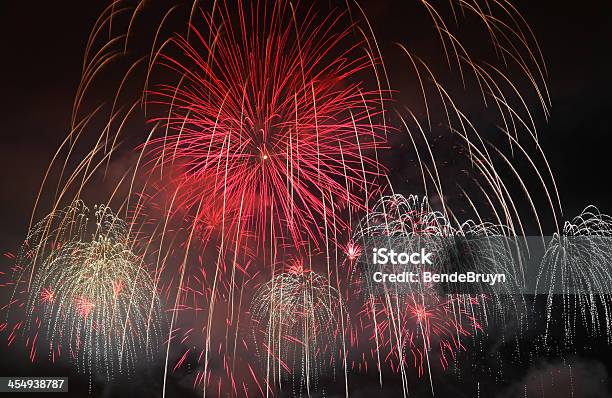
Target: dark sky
[43, 42]
[575, 38]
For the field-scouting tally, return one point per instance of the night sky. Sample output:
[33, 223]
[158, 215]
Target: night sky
[42, 47]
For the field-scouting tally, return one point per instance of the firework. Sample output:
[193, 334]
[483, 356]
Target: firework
[405, 323]
[87, 294]
[413, 330]
[577, 267]
[411, 222]
[297, 327]
[268, 124]
[421, 325]
[398, 215]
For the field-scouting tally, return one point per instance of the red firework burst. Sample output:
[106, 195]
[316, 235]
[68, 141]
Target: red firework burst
[269, 121]
[416, 329]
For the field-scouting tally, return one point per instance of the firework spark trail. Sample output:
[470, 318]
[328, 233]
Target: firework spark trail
[296, 327]
[284, 133]
[511, 38]
[89, 295]
[409, 323]
[403, 324]
[576, 267]
[515, 46]
[391, 316]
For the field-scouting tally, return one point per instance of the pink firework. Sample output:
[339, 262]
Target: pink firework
[268, 120]
[418, 329]
[117, 287]
[352, 251]
[47, 296]
[84, 306]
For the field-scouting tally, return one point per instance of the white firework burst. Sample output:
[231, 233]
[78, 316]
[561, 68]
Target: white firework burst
[297, 327]
[87, 293]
